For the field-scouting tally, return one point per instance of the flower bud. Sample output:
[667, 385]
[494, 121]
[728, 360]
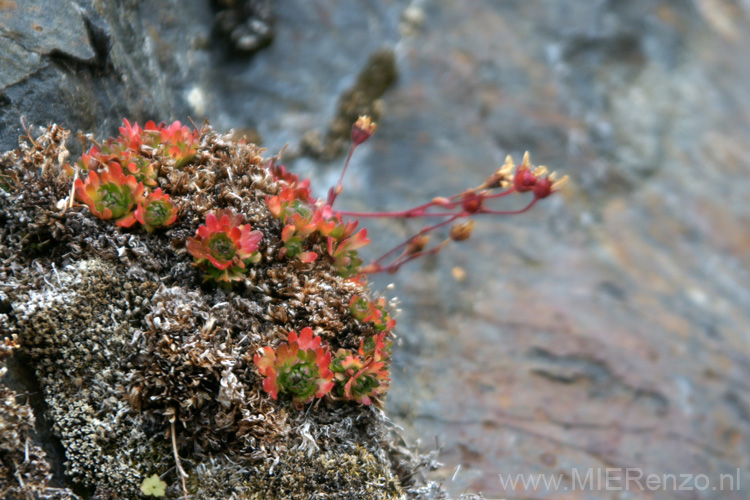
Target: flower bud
[471, 202]
[417, 244]
[362, 129]
[524, 180]
[542, 188]
[461, 231]
[548, 185]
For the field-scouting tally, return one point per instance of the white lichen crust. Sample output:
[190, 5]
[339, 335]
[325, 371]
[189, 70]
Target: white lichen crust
[76, 328]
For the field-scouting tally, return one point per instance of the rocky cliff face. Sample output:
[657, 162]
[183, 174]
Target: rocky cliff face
[608, 328]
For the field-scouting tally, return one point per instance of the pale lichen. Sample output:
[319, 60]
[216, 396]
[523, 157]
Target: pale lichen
[76, 330]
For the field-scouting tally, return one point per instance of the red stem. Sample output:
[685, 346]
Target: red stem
[339, 185]
[420, 210]
[403, 259]
[424, 230]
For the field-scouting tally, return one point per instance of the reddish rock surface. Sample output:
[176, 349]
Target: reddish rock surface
[610, 327]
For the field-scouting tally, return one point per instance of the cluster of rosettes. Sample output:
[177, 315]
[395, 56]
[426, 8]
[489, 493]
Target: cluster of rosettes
[224, 246]
[304, 217]
[175, 142]
[304, 368]
[123, 169]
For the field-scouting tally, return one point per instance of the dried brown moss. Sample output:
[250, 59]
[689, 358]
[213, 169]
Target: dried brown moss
[126, 339]
[342, 474]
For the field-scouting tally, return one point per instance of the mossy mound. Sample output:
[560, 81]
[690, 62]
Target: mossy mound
[139, 358]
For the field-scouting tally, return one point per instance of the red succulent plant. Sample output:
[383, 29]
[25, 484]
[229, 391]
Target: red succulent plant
[344, 252]
[131, 136]
[110, 194]
[175, 141]
[303, 216]
[363, 376]
[223, 247]
[127, 151]
[299, 367]
[156, 210]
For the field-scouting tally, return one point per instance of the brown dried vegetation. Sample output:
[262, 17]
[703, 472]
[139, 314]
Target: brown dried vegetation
[125, 339]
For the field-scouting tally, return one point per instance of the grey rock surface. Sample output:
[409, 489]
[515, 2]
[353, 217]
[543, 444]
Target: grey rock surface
[606, 328]
[92, 63]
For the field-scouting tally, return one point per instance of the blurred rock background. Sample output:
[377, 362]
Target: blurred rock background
[607, 328]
